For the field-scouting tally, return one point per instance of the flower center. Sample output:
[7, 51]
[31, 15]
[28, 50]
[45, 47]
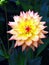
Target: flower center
[27, 28]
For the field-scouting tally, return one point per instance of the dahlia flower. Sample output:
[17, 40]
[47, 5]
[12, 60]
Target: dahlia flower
[27, 30]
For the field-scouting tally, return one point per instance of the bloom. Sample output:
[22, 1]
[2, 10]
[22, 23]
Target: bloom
[27, 30]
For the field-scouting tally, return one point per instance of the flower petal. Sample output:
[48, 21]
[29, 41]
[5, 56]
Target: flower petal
[28, 42]
[35, 44]
[24, 47]
[33, 48]
[12, 32]
[41, 35]
[27, 30]
[45, 32]
[42, 23]
[19, 43]
[12, 24]
[35, 38]
[40, 18]
[16, 19]
[42, 27]
[12, 38]
[41, 42]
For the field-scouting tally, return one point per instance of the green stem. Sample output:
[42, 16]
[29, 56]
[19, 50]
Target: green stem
[3, 47]
[6, 25]
[4, 50]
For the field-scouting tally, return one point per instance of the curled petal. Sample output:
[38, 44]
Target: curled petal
[36, 14]
[21, 14]
[33, 48]
[21, 37]
[40, 18]
[42, 23]
[12, 24]
[42, 35]
[42, 27]
[16, 18]
[12, 38]
[45, 32]
[30, 13]
[35, 38]
[18, 38]
[27, 30]
[28, 42]
[24, 47]
[12, 32]
[19, 43]
[41, 42]
[35, 44]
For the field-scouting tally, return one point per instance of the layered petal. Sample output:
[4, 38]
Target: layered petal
[28, 42]
[35, 38]
[27, 30]
[24, 47]
[35, 44]
[19, 43]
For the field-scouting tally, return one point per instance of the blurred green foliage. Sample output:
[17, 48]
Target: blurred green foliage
[3, 2]
[9, 8]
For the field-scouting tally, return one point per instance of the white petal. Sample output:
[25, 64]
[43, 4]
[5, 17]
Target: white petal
[29, 11]
[31, 14]
[40, 18]
[36, 14]
[21, 14]
[16, 18]
[42, 23]
[12, 24]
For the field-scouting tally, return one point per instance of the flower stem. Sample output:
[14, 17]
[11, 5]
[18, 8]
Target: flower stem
[4, 50]
[6, 25]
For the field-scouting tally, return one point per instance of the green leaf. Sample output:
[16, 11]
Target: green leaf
[2, 2]
[35, 61]
[17, 58]
[2, 19]
[17, 2]
[42, 47]
[3, 51]
[1, 55]
[21, 59]
[30, 54]
[12, 59]
[2, 58]
[26, 6]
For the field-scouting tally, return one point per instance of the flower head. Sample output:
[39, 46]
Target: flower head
[27, 30]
